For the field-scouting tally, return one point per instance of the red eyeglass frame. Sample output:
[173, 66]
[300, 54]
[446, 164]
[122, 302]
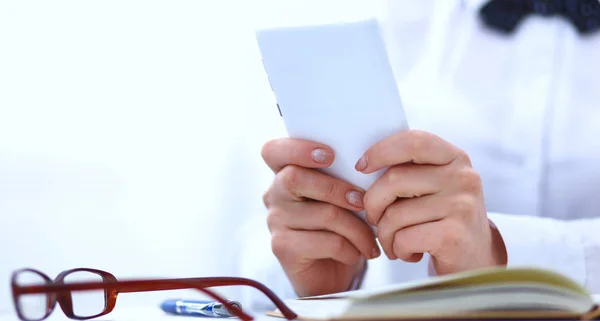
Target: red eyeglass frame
[60, 292]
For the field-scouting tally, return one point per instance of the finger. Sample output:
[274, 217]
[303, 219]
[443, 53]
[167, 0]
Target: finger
[407, 146]
[295, 245]
[323, 216]
[280, 152]
[404, 181]
[408, 212]
[441, 238]
[298, 183]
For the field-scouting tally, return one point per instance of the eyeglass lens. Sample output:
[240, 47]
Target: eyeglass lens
[32, 306]
[86, 303]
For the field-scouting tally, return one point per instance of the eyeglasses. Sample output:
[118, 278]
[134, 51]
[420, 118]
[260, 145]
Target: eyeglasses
[35, 295]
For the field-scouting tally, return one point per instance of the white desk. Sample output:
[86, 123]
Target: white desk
[150, 313]
[138, 314]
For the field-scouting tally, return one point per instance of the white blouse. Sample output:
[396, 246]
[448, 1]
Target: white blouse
[525, 107]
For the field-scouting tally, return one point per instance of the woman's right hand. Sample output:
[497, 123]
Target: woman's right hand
[321, 245]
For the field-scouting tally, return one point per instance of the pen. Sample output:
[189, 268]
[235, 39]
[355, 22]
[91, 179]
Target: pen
[198, 308]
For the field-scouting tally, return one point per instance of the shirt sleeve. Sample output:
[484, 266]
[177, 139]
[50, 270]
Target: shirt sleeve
[569, 247]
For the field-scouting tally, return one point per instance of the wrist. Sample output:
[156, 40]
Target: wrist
[500, 255]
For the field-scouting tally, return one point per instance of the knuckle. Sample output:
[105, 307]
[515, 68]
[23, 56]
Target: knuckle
[332, 215]
[394, 174]
[449, 235]
[337, 243]
[463, 204]
[385, 235]
[399, 238]
[391, 218]
[288, 177]
[470, 181]
[418, 140]
[266, 198]
[383, 228]
[400, 245]
[463, 157]
[279, 244]
[274, 218]
[450, 239]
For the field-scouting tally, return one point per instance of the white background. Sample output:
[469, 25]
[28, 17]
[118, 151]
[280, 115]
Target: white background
[130, 134]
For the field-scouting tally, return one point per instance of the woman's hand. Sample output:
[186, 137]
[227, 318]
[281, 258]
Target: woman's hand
[321, 245]
[430, 199]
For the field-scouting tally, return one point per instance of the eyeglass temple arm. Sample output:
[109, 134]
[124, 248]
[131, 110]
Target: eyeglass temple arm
[163, 284]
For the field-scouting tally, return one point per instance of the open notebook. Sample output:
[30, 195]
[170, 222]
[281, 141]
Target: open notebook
[496, 293]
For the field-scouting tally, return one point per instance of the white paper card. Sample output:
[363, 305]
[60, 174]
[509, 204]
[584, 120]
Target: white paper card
[334, 85]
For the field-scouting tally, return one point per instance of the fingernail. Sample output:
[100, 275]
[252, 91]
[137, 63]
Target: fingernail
[375, 253]
[320, 155]
[355, 198]
[361, 164]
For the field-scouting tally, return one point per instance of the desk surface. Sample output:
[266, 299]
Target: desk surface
[150, 314]
[137, 314]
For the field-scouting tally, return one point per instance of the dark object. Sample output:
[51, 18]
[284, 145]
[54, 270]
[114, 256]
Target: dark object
[58, 291]
[505, 15]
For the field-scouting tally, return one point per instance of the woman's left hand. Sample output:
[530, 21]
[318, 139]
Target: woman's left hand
[429, 200]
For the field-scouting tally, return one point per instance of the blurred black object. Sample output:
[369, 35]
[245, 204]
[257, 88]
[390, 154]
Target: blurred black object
[505, 15]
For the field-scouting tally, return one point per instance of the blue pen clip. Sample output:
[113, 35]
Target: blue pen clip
[214, 309]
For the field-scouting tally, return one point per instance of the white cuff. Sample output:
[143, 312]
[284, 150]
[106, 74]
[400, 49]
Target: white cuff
[542, 242]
